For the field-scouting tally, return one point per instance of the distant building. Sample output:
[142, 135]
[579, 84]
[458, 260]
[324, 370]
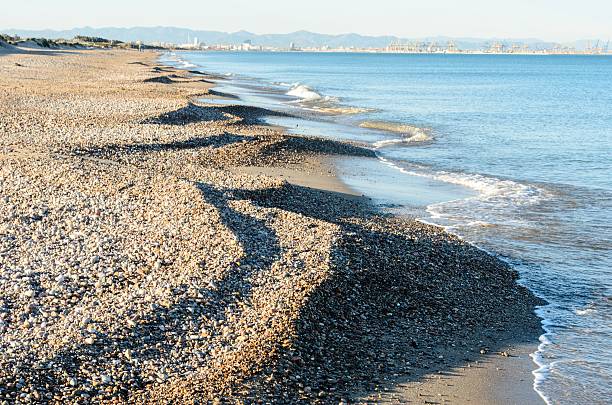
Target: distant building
[195, 44]
[248, 46]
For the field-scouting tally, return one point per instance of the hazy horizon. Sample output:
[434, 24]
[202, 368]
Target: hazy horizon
[547, 20]
[490, 37]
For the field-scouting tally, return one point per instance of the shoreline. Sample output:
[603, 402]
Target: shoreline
[512, 368]
[504, 377]
[286, 278]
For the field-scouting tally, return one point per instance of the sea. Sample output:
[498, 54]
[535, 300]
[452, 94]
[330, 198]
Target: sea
[511, 152]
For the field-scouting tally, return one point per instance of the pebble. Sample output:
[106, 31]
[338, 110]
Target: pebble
[139, 260]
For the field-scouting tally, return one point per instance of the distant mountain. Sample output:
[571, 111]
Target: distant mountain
[299, 38]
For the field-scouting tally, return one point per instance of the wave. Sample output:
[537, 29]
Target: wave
[542, 373]
[492, 192]
[339, 109]
[311, 100]
[388, 142]
[388, 126]
[304, 92]
[411, 133]
[480, 224]
[587, 311]
[182, 63]
[396, 141]
[490, 189]
[485, 210]
[494, 188]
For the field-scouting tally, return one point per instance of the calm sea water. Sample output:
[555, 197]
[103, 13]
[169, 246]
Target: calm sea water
[513, 153]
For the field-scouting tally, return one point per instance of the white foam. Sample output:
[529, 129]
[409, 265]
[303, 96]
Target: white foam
[479, 224]
[489, 188]
[179, 60]
[419, 137]
[336, 109]
[543, 370]
[411, 134]
[304, 92]
[585, 311]
[388, 142]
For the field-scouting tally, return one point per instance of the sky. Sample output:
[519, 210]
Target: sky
[550, 20]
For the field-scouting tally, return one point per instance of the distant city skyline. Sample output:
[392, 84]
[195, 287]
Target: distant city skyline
[559, 21]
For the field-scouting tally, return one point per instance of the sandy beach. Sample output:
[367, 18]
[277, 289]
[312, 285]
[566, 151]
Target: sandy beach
[158, 249]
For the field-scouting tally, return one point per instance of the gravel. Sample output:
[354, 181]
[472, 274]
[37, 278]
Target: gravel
[135, 267]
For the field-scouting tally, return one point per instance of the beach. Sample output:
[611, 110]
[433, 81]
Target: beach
[155, 248]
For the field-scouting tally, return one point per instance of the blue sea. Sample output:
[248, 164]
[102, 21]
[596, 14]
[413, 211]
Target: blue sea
[511, 152]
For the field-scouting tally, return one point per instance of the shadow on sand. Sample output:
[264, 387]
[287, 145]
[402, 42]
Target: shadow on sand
[193, 113]
[399, 296]
[114, 150]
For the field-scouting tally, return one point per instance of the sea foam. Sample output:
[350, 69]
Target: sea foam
[310, 99]
[304, 92]
[490, 189]
[410, 133]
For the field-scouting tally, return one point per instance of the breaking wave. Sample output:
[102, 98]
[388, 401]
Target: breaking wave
[311, 100]
[411, 134]
[304, 92]
[490, 189]
[337, 109]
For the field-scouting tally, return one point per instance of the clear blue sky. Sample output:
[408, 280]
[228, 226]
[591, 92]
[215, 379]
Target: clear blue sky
[555, 20]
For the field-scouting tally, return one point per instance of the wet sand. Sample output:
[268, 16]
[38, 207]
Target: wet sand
[156, 249]
[314, 172]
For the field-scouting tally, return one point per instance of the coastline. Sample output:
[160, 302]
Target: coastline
[503, 377]
[270, 346]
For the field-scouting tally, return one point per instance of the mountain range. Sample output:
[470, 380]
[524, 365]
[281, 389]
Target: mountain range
[299, 38]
